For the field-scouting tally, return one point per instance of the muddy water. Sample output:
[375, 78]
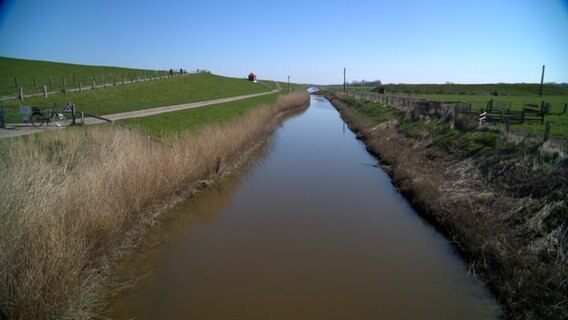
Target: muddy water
[313, 231]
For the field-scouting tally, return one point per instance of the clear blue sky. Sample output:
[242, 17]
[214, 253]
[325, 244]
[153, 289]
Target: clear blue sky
[312, 41]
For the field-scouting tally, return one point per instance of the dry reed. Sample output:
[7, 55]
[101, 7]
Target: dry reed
[71, 199]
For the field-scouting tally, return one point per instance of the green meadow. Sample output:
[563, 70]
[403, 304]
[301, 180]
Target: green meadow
[513, 96]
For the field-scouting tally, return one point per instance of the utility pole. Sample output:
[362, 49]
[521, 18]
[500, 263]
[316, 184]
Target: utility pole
[344, 72]
[541, 82]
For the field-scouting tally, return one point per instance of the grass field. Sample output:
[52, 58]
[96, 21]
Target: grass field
[490, 89]
[166, 124]
[513, 96]
[51, 74]
[499, 89]
[283, 85]
[557, 117]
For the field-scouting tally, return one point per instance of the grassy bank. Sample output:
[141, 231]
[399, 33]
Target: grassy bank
[71, 199]
[503, 202]
[15, 73]
[166, 124]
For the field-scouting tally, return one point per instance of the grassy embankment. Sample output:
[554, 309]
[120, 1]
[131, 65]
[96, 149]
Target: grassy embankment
[503, 203]
[144, 95]
[69, 202]
[51, 74]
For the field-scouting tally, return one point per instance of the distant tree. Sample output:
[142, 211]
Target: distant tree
[357, 83]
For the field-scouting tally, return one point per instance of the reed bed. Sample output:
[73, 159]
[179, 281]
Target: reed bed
[71, 200]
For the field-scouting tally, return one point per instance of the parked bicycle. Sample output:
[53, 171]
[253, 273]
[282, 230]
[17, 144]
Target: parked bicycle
[47, 115]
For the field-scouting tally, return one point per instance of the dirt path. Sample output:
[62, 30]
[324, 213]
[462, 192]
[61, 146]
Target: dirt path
[154, 111]
[26, 128]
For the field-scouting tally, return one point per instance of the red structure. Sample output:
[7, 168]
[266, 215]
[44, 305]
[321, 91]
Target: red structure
[252, 77]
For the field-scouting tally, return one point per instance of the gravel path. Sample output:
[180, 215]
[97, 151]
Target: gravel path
[26, 128]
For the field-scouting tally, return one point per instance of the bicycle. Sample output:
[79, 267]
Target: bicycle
[45, 115]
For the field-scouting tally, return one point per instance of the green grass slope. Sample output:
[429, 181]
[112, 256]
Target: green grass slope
[51, 74]
[144, 95]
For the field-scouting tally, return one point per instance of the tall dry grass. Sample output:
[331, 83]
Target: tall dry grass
[71, 199]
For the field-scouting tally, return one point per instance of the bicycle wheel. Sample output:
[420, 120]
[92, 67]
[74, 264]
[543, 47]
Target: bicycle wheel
[37, 119]
[58, 119]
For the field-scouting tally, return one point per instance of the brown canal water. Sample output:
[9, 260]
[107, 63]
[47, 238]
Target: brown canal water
[313, 230]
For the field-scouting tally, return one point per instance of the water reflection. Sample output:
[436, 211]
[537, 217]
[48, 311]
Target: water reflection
[315, 232]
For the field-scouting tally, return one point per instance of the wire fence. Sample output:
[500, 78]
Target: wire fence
[26, 87]
[465, 115]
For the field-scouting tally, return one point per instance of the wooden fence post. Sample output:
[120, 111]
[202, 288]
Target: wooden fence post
[64, 84]
[16, 82]
[547, 131]
[45, 91]
[73, 78]
[35, 85]
[80, 87]
[21, 93]
[94, 85]
[2, 121]
[565, 107]
[73, 114]
[50, 81]
[507, 127]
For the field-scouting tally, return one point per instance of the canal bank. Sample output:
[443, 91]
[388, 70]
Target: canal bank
[495, 225]
[312, 231]
[106, 187]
